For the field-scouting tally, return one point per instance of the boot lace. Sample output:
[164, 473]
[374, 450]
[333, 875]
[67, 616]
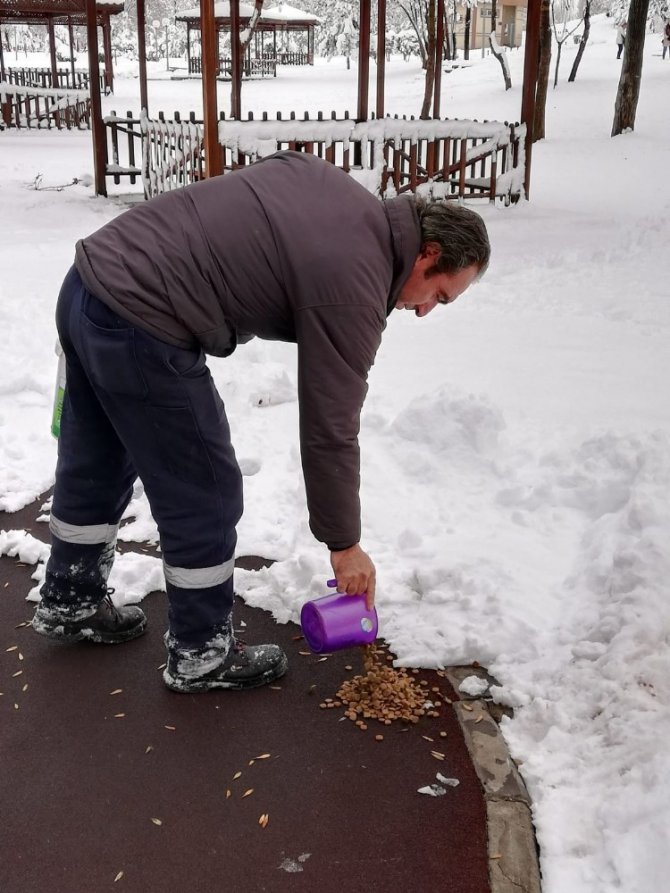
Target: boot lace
[107, 600]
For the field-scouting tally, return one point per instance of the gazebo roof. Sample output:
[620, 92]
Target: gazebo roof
[277, 15]
[60, 11]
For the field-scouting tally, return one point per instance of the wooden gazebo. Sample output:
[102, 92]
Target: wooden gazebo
[280, 20]
[62, 12]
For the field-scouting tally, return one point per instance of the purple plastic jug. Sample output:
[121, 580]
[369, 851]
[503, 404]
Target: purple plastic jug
[338, 621]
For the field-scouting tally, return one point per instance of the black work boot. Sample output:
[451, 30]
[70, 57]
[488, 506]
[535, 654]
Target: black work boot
[220, 665]
[107, 624]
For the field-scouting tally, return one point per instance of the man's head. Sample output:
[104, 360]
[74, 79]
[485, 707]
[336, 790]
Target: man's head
[455, 252]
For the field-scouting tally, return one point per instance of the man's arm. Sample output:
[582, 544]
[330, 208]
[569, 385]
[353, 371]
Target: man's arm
[336, 348]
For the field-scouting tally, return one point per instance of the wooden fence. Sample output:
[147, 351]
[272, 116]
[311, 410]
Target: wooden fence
[35, 107]
[452, 159]
[263, 67]
[43, 77]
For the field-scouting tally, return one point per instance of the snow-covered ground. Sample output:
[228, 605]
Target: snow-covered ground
[516, 459]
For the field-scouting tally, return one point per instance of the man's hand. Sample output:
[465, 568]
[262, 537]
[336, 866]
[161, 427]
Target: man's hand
[355, 573]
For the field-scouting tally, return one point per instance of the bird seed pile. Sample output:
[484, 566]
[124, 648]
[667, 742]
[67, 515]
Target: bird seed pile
[383, 692]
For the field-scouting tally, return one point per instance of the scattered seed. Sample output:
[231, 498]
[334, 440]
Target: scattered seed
[297, 638]
[379, 737]
[264, 819]
[20, 656]
[276, 687]
[264, 756]
[496, 856]
[117, 691]
[149, 748]
[437, 754]
[321, 660]
[119, 715]
[348, 667]
[25, 687]
[305, 653]
[18, 673]
[237, 775]
[479, 719]
[16, 706]
[13, 648]
[25, 623]
[426, 738]
[171, 728]
[118, 877]
[162, 667]
[251, 762]
[467, 707]
[448, 701]
[247, 792]
[157, 821]
[229, 794]
[5, 586]
[443, 734]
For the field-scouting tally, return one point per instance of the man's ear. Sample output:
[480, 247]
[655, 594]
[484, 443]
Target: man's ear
[430, 249]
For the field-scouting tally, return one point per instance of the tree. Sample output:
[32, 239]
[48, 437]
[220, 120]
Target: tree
[496, 49]
[565, 7]
[430, 62]
[628, 93]
[542, 71]
[586, 18]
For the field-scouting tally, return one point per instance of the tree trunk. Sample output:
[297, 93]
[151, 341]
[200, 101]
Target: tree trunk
[628, 93]
[250, 29]
[466, 36]
[543, 70]
[582, 42]
[496, 49]
[559, 49]
[430, 62]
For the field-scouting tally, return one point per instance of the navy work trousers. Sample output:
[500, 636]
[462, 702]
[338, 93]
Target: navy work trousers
[133, 406]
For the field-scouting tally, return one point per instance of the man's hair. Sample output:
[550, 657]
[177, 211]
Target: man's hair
[459, 232]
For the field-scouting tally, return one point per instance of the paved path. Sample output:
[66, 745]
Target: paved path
[97, 786]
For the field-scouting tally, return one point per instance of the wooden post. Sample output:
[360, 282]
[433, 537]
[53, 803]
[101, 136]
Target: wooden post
[208, 34]
[236, 61]
[531, 61]
[52, 53]
[381, 57]
[142, 56]
[70, 34]
[107, 50]
[188, 47]
[98, 129]
[2, 60]
[439, 48]
[363, 60]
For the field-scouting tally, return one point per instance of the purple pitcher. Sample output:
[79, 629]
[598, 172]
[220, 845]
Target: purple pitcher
[338, 621]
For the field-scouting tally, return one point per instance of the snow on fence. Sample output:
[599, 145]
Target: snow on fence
[453, 159]
[39, 107]
[265, 66]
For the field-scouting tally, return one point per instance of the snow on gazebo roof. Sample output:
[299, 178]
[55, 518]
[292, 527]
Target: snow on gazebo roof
[32, 11]
[280, 15]
[290, 14]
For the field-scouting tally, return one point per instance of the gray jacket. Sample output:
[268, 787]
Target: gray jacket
[291, 249]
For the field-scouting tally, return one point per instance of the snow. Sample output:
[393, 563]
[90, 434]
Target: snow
[515, 445]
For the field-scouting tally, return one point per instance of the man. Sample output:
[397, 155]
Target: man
[292, 249]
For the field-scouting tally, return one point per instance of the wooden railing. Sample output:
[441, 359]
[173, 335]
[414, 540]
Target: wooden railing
[266, 66]
[36, 107]
[449, 158]
[172, 153]
[124, 147]
[43, 77]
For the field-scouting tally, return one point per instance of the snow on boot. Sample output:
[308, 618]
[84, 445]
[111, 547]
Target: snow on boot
[218, 664]
[108, 624]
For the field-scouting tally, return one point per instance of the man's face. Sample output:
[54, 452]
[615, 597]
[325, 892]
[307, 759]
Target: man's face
[422, 292]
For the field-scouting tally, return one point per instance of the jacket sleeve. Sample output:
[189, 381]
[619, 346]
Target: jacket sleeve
[336, 348]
